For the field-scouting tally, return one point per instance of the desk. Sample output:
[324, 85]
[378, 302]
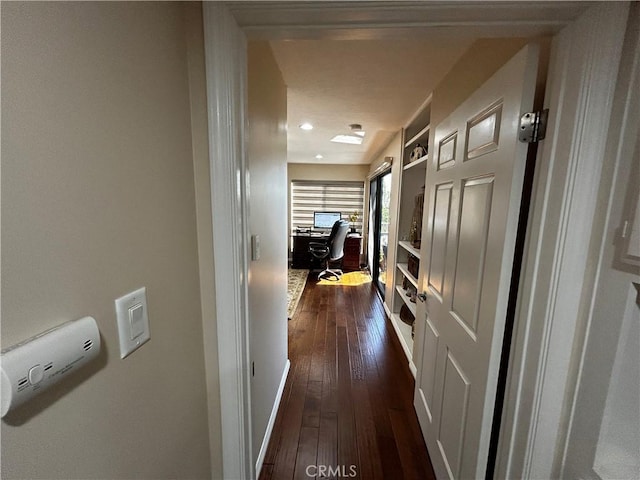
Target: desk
[302, 258]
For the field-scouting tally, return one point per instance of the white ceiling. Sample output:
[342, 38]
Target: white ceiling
[375, 62]
[376, 83]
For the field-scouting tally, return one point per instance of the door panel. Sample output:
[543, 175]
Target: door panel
[442, 207]
[471, 252]
[455, 398]
[483, 132]
[428, 374]
[474, 189]
[447, 149]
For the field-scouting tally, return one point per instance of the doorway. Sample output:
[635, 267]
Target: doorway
[379, 203]
[554, 179]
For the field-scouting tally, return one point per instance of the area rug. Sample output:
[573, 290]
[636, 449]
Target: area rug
[297, 279]
[350, 279]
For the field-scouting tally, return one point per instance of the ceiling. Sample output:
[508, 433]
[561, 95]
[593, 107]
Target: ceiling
[376, 83]
[375, 62]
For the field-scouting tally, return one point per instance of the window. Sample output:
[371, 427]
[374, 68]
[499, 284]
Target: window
[313, 196]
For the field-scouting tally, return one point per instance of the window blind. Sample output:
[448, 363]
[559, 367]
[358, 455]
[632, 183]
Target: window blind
[324, 196]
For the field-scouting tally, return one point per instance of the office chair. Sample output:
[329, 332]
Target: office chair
[332, 250]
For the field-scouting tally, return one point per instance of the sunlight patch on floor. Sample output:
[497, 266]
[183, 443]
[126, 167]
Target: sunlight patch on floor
[349, 279]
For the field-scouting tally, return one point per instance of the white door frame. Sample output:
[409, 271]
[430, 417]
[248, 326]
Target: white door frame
[580, 89]
[226, 72]
[563, 208]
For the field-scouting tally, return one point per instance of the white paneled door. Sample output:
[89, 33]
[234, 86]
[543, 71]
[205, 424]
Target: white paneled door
[474, 189]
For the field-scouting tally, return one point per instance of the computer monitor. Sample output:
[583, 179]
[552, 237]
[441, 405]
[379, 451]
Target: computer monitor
[325, 220]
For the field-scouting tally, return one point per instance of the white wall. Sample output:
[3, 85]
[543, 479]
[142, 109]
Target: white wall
[98, 199]
[267, 156]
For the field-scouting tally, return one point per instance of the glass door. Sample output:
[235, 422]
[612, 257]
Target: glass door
[379, 201]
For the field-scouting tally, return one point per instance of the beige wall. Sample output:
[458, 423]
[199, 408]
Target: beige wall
[98, 199]
[393, 149]
[475, 66]
[307, 171]
[267, 160]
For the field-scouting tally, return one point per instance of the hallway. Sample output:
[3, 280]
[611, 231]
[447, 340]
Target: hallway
[347, 408]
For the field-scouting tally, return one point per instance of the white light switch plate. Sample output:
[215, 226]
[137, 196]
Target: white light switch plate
[133, 321]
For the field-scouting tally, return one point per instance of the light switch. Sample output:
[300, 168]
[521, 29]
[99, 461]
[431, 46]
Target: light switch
[255, 247]
[133, 321]
[136, 321]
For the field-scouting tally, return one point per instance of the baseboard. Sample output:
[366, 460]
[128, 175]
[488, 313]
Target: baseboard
[413, 368]
[385, 306]
[395, 318]
[272, 419]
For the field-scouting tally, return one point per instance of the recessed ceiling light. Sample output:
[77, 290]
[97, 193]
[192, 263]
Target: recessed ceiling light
[319, 157]
[350, 139]
[306, 126]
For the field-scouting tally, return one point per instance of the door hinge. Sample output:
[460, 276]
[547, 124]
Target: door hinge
[253, 369]
[533, 126]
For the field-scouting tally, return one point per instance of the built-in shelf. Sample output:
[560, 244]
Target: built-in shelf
[403, 267]
[405, 299]
[417, 136]
[416, 163]
[404, 335]
[409, 248]
[410, 184]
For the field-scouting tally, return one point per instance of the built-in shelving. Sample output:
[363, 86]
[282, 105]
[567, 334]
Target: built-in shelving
[418, 136]
[404, 335]
[409, 248]
[404, 268]
[416, 163]
[406, 299]
[412, 181]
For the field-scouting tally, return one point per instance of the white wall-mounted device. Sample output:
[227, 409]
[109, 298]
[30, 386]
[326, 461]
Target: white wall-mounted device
[32, 366]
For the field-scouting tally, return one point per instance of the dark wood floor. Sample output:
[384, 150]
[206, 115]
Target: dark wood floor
[347, 404]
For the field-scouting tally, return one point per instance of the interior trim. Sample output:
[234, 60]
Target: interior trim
[226, 71]
[580, 88]
[225, 50]
[272, 419]
[365, 20]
